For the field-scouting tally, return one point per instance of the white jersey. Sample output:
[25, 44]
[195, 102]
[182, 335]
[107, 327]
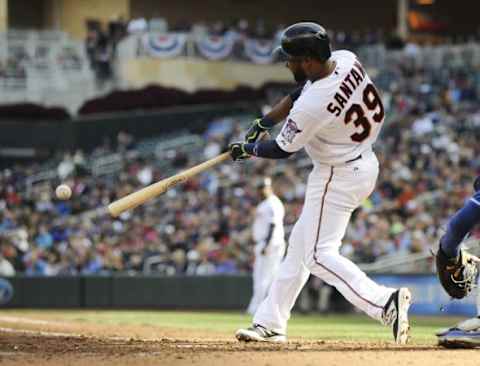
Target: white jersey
[335, 118]
[269, 211]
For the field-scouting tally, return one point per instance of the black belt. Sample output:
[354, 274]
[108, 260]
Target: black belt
[354, 159]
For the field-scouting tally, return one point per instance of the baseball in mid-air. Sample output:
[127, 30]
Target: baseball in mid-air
[63, 192]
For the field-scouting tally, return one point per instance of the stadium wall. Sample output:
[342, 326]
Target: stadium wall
[26, 14]
[89, 131]
[73, 13]
[195, 292]
[3, 15]
[211, 292]
[193, 74]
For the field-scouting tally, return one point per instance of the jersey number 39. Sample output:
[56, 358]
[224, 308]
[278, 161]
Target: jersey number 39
[356, 113]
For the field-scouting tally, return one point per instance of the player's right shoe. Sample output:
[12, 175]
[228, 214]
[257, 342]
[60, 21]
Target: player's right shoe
[258, 333]
[395, 314]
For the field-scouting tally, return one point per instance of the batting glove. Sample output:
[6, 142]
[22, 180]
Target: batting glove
[255, 130]
[237, 151]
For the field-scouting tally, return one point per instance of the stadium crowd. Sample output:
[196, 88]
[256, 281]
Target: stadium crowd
[428, 161]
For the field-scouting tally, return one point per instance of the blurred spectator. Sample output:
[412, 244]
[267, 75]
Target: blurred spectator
[137, 25]
[66, 167]
[6, 268]
[101, 46]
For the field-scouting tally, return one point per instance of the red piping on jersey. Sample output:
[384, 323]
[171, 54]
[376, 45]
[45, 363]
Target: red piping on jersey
[321, 207]
[316, 241]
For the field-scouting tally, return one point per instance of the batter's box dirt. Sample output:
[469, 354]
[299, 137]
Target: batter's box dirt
[27, 348]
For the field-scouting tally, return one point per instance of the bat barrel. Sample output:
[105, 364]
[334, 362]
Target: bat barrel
[141, 196]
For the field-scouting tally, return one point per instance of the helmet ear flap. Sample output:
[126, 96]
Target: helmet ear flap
[322, 35]
[279, 55]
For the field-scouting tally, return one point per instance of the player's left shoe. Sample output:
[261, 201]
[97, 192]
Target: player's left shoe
[258, 333]
[395, 314]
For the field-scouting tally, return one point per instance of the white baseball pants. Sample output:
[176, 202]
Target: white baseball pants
[333, 192]
[265, 268]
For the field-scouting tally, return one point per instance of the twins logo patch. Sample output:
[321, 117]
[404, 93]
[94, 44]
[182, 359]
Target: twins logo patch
[290, 130]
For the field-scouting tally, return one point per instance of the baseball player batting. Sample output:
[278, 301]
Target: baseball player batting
[336, 117]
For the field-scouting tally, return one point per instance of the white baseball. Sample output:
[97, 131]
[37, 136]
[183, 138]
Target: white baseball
[63, 192]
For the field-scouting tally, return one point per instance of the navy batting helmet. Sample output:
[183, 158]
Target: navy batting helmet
[305, 39]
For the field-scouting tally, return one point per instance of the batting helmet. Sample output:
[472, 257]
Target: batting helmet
[305, 39]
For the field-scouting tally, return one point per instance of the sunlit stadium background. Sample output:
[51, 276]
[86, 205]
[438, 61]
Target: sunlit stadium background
[112, 95]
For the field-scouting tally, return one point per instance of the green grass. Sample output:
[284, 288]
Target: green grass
[348, 327]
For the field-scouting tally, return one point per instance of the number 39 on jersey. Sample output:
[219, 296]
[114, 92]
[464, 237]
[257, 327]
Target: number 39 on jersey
[363, 114]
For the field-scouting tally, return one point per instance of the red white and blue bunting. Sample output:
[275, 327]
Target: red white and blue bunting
[215, 47]
[170, 45]
[164, 45]
[259, 50]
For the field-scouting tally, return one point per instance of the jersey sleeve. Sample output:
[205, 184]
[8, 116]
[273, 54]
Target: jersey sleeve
[296, 131]
[306, 117]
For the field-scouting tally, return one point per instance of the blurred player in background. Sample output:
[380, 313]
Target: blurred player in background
[269, 237]
[458, 270]
[336, 117]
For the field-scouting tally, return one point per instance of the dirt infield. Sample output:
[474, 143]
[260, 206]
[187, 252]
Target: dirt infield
[39, 342]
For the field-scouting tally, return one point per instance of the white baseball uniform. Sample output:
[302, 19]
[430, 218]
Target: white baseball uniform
[269, 211]
[336, 119]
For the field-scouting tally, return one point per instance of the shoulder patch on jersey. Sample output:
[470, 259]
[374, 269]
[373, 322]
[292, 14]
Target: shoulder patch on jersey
[290, 130]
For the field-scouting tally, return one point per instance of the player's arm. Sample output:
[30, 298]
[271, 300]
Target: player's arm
[263, 149]
[281, 110]
[277, 114]
[296, 132]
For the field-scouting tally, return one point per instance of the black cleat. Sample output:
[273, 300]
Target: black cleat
[395, 313]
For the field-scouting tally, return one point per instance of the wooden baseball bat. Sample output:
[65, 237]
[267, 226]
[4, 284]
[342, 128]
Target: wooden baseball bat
[141, 196]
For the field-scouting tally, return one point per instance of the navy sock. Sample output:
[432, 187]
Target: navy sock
[460, 225]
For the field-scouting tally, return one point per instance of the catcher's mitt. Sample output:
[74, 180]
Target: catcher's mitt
[457, 275]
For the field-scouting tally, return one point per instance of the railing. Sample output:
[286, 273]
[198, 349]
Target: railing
[400, 263]
[171, 45]
[411, 262]
[44, 67]
[50, 69]
[430, 57]
[112, 163]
